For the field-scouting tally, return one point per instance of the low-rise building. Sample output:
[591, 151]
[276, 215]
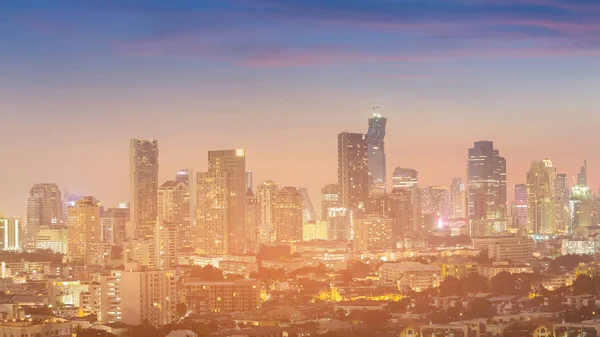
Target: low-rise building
[495, 268]
[506, 248]
[54, 328]
[222, 296]
[411, 275]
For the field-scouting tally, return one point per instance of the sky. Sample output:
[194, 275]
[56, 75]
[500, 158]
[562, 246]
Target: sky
[281, 78]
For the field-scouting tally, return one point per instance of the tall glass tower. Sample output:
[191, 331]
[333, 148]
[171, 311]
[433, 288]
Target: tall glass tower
[377, 172]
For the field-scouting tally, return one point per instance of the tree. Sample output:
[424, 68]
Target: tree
[475, 283]
[93, 333]
[208, 273]
[181, 309]
[451, 286]
[482, 308]
[583, 285]
[506, 283]
[144, 330]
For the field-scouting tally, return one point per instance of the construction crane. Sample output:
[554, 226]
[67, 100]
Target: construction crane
[374, 110]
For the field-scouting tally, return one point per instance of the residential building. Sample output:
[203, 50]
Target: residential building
[44, 210]
[506, 248]
[83, 229]
[372, 232]
[411, 275]
[353, 170]
[541, 197]
[288, 210]
[212, 218]
[266, 192]
[174, 208]
[222, 296]
[143, 170]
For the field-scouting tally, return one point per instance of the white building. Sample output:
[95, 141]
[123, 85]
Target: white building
[411, 275]
[506, 248]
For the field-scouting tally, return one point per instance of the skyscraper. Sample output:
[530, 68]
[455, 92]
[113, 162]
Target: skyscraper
[486, 174]
[458, 199]
[233, 164]
[330, 198]
[353, 170]
[376, 156]
[44, 209]
[405, 178]
[213, 211]
[83, 229]
[174, 209]
[143, 168]
[563, 211]
[252, 220]
[541, 197]
[308, 211]
[435, 201]
[581, 204]
[520, 206]
[118, 218]
[266, 192]
[288, 215]
[582, 175]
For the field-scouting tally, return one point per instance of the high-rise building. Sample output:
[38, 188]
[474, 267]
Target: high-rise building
[266, 192]
[212, 212]
[434, 202]
[134, 296]
[376, 156]
[44, 209]
[68, 199]
[581, 204]
[174, 209]
[143, 169]
[288, 215]
[233, 164]
[338, 222]
[458, 199]
[405, 178]
[83, 229]
[315, 230]
[11, 233]
[252, 220]
[486, 174]
[117, 217]
[582, 175]
[372, 232]
[563, 211]
[168, 238]
[520, 209]
[330, 198]
[249, 185]
[308, 211]
[403, 211]
[541, 197]
[353, 170]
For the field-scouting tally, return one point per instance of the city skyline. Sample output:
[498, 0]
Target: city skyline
[76, 82]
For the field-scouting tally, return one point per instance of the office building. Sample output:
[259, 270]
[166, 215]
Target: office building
[330, 198]
[506, 248]
[174, 209]
[252, 220]
[212, 217]
[405, 178]
[232, 163]
[308, 211]
[116, 218]
[458, 199]
[83, 229]
[222, 296]
[339, 224]
[353, 170]
[44, 209]
[541, 197]
[404, 211]
[520, 209]
[143, 169]
[266, 192]
[581, 205]
[434, 201]
[55, 239]
[582, 175]
[315, 230]
[288, 209]
[376, 154]
[486, 184]
[11, 234]
[372, 232]
[563, 211]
